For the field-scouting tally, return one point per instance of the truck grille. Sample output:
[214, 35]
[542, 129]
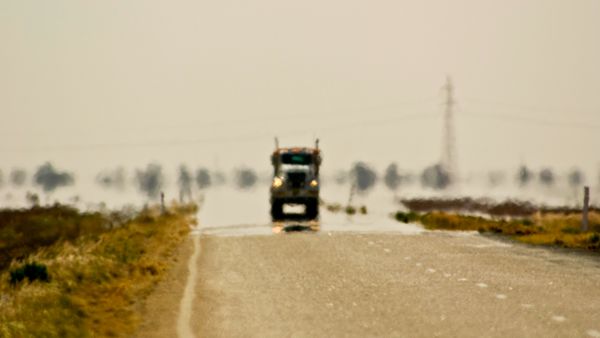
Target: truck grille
[296, 180]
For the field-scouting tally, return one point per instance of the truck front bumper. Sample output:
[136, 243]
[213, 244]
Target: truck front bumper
[294, 196]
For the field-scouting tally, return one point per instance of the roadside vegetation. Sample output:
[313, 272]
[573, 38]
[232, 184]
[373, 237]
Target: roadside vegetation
[348, 210]
[508, 208]
[65, 273]
[557, 229]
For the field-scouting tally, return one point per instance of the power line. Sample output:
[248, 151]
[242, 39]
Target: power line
[525, 107]
[530, 120]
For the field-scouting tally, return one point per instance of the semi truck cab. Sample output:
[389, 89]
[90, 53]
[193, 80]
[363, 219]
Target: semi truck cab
[295, 182]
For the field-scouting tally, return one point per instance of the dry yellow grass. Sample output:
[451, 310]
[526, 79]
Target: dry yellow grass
[95, 282]
[542, 229]
[564, 230]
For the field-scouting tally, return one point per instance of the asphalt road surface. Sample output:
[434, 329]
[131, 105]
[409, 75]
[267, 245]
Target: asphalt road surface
[371, 276]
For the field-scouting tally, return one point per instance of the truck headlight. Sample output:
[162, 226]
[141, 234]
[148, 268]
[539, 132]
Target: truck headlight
[277, 182]
[314, 183]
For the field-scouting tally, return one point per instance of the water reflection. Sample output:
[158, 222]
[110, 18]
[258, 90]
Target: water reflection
[308, 226]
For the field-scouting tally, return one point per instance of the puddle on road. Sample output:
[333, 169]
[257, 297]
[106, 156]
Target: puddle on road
[329, 223]
[237, 230]
[327, 227]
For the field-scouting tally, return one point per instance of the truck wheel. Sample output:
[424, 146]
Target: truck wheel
[276, 210]
[312, 209]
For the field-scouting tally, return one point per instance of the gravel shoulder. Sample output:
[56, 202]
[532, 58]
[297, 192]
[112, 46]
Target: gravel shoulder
[161, 309]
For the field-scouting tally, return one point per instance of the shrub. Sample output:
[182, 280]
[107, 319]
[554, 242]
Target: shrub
[32, 271]
[406, 217]
[335, 207]
[526, 222]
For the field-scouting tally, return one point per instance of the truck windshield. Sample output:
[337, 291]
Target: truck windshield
[303, 159]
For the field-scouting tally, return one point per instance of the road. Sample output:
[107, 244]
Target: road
[353, 281]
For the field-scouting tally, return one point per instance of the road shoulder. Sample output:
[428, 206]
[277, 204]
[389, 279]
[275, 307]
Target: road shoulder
[161, 308]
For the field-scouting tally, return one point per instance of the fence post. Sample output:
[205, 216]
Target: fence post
[586, 202]
[352, 192]
[162, 203]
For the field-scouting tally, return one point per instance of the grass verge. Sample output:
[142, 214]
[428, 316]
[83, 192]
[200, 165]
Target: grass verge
[77, 274]
[556, 229]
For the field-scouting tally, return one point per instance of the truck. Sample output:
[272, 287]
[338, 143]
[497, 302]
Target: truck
[295, 182]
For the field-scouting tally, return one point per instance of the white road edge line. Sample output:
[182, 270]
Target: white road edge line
[184, 328]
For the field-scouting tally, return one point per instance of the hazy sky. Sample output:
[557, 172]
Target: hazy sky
[89, 84]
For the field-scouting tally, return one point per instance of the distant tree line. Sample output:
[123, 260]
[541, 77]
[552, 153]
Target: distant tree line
[364, 177]
[151, 179]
